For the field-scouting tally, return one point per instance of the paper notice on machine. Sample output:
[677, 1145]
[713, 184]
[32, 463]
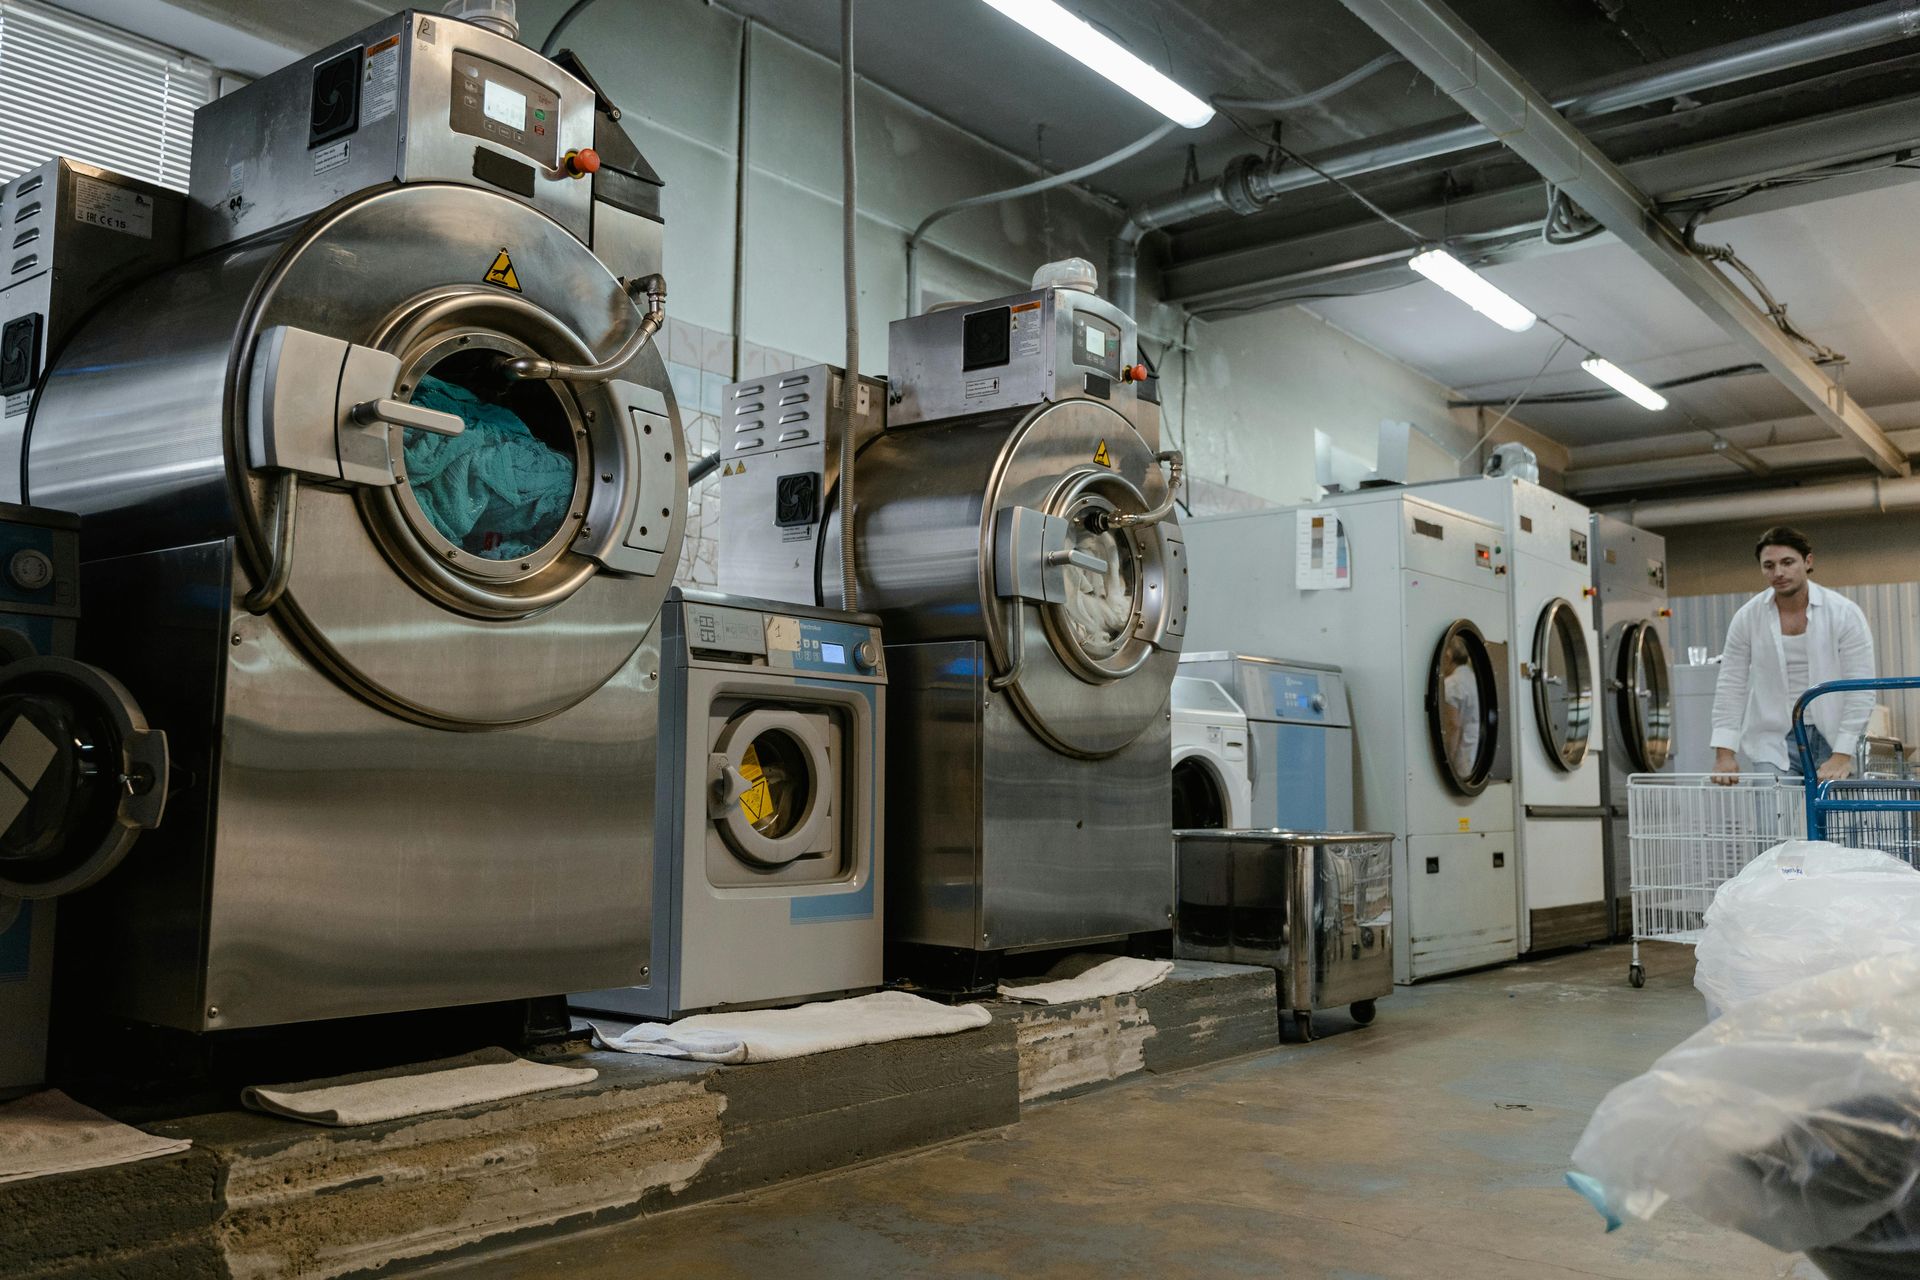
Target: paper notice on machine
[1320, 553]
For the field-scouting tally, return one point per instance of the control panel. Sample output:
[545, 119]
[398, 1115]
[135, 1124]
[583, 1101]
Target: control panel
[499, 104]
[831, 645]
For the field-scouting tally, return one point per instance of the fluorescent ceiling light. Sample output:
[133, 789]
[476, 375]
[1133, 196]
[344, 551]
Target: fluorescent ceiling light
[1625, 383]
[1464, 283]
[1078, 38]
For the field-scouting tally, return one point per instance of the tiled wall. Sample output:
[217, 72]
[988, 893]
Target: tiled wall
[699, 364]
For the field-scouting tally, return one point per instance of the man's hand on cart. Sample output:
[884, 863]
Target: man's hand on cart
[1726, 767]
[1836, 768]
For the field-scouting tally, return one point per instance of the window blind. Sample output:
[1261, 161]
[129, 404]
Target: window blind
[73, 87]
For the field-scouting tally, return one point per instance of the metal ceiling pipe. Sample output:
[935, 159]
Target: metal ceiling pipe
[1871, 495]
[1251, 182]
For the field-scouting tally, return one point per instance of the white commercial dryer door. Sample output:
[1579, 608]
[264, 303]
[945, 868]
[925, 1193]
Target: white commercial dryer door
[1465, 715]
[771, 794]
[1643, 697]
[1562, 680]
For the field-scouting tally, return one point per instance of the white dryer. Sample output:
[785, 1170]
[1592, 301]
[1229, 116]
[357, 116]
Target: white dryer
[767, 888]
[1410, 599]
[1212, 787]
[1552, 666]
[1631, 612]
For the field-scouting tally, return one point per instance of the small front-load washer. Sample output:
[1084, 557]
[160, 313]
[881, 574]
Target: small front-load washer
[767, 885]
[1212, 788]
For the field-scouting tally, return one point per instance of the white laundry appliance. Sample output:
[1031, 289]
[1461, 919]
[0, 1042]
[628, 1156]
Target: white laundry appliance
[1410, 599]
[1299, 737]
[767, 887]
[1636, 704]
[1694, 686]
[1212, 788]
[1552, 666]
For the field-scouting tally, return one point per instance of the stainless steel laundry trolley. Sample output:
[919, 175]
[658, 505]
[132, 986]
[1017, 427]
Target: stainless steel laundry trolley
[1687, 835]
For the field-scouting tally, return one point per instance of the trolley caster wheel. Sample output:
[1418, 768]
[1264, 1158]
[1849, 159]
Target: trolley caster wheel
[1637, 975]
[1362, 1012]
[1303, 1021]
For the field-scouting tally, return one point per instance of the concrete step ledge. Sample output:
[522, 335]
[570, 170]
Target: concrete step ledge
[259, 1196]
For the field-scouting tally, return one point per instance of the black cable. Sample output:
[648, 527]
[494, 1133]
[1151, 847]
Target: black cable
[1590, 397]
[552, 41]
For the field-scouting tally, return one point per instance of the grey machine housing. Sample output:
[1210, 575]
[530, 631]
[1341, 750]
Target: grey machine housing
[1300, 733]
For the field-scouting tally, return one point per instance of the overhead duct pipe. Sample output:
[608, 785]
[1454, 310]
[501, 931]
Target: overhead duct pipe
[1250, 183]
[1871, 495]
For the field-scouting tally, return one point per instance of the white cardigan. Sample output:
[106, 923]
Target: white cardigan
[1751, 711]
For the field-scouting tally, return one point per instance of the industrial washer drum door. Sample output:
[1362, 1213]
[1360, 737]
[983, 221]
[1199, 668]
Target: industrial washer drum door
[455, 543]
[770, 783]
[1000, 529]
[1463, 708]
[1562, 684]
[1643, 697]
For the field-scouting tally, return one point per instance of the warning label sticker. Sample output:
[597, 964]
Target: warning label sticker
[330, 157]
[1101, 456]
[502, 272]
[103, 204]
[977, 387]
[380, 79]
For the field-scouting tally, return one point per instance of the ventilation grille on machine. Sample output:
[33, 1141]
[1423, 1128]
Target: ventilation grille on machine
[796, 499]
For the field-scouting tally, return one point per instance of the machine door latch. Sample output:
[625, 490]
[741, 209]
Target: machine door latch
[323, 409]
[1031, 554]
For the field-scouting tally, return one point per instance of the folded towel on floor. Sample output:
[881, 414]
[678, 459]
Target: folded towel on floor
[48, 1132]
[765, 1035]
[485, 1075]
[1087, 977]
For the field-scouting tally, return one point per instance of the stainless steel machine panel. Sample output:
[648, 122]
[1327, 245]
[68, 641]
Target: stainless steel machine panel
[76, 234]
[415, 98]
[995, 842]
[1016, 352]
[780, 450]
[1314, 906]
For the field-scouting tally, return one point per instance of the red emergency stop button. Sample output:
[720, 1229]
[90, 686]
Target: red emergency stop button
[1134, 373]
[582, 162]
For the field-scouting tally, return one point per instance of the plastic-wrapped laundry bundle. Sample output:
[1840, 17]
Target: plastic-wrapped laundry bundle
[1794, 1118]
[1802, 908]
[494, 490]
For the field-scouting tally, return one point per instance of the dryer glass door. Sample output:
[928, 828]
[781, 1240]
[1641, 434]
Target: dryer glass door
[1463, 708]
[1562, 684]
[770, 786]
[1645, 698]
[1199, 796]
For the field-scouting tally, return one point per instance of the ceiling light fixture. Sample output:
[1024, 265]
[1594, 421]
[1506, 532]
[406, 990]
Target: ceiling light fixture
[1464, 283]
[1623, 382]
[1078, 39]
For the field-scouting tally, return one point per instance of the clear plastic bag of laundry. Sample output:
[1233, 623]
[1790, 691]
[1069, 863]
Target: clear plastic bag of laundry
[1794, 1118]
[1801, 908]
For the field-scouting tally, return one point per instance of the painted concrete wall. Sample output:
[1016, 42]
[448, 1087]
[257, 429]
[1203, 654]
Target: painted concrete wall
[1847, 551]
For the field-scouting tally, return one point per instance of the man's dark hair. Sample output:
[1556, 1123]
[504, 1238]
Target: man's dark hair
[1783, 536]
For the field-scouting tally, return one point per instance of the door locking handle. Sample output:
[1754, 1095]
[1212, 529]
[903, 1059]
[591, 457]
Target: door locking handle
[398, 413]
[1078, 559]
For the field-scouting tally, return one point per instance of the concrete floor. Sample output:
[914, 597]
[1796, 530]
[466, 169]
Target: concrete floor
[1431, 1144]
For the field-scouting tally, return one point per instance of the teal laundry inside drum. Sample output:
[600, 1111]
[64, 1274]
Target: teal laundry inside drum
[501, 489]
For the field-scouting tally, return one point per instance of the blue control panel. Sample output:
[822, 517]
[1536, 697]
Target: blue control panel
[832, 647]
[1298, 697]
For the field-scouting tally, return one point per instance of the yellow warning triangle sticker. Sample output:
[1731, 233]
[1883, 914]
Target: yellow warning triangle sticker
[502, 273]
[1101, 455]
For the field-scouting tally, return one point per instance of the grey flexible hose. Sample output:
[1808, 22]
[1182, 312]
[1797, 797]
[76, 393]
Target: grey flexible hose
[1313, 96]
[1034, 188]
[850, 384]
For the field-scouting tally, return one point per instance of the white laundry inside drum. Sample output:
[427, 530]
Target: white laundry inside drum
[1100, 606]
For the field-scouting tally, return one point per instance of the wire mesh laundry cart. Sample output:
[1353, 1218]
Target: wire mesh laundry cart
[1687, 835]
[1864, 813]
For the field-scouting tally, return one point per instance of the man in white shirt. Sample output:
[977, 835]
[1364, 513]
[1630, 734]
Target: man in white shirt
[1790, 637]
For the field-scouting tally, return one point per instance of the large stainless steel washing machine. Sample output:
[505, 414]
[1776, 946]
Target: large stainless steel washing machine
[1413, 606]
[1636, 704]
[1015, 534]
[383, 493]
[1552, 665]
[767, 883]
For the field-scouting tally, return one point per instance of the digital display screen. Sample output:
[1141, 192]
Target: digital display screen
[1096, 342]
[506, 105]
[834, 653]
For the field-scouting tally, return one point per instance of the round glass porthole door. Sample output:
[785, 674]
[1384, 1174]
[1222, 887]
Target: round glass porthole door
[1463, 708]
[768, 779]
[1562, 685]
[1645, 698]
[1199, 799]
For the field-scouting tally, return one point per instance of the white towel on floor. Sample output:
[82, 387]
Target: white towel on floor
[1088, 977]
[765, 1035]
[48, 1132]
[370, 1097]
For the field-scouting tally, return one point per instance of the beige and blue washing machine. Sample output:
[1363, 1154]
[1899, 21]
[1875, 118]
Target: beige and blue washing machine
[767, 881]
